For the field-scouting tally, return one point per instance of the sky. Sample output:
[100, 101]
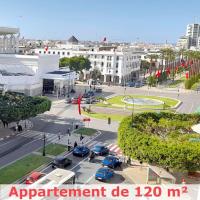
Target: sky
[152, 21]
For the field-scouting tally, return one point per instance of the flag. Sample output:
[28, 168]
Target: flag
[187, 75]
[46, 48]
[158, 73]
[79, 104]
[168, 71]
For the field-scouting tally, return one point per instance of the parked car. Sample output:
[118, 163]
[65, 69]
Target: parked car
[61, 162]
[81, 151]
[100, 150]
[68, 100]
[137, 84]
[34, 176]
[98, 90]
[131, 84]
[90, 93]
[112, 162]
[104, 174]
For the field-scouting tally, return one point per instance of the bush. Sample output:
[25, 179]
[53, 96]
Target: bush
[161, 139]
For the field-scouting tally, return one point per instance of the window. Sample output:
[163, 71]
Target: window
[68, 53]
[95, 56]
[58, 52]
[53, 52]
[49, 52]
[40, 52]
[44, 52]
[102, 64]
[116, 71]
[102, 57]
[117, 65]
[117, 57]
[63, 53]
[95, 63]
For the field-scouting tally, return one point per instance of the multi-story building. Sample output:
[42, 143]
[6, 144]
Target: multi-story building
[183, 42]
[116, 63]
[193, 32]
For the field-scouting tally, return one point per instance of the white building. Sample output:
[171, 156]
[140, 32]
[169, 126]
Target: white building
[32, 74]
[117, 64]
[193, 32]
[183, 42]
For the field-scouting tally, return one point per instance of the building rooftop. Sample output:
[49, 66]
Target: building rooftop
[73, 40]
[8, 30]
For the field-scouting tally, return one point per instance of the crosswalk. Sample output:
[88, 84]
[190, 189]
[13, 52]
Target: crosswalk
[53, 138]
[112, 147]
[36, 135]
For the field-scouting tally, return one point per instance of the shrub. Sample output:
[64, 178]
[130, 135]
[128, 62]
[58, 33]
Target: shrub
[161, 139]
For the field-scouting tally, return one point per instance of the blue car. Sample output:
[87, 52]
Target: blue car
[104, 174]
[81, 151]
[100, 150]
[112, 162]
[131, 84]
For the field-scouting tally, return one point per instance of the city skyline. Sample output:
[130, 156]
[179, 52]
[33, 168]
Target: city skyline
[125, 21]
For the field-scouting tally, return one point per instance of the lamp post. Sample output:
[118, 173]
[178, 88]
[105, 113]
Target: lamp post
[44, 145]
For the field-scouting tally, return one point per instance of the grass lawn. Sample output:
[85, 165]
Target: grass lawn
[118, 101]
[86, 131]
[54, 149]
[21, 167]
[105, 116]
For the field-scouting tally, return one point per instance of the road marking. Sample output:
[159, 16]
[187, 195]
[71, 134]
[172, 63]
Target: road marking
[89, 179]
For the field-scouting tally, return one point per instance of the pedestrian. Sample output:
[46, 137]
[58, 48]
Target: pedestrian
[68, 131]
[81, 137]
[59, 135]
[75, 144]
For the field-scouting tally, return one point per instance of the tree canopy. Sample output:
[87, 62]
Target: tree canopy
[162, 139]
[76, 63]
[95, 74]
[15, 106]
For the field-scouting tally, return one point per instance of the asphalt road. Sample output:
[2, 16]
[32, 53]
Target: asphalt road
[60, 118]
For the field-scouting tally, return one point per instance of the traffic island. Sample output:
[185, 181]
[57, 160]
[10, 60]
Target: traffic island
[22, 167]
[54, 149]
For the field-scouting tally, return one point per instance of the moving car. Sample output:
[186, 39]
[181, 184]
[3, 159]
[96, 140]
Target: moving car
[112, 162]
[100, 150]
[81, 151]
[104, 174]
[61, 162]
[98, 90]
[34, 176]
[74, 100]
[138, 84]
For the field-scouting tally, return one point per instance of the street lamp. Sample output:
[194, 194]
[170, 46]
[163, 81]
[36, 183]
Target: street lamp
[44, 145]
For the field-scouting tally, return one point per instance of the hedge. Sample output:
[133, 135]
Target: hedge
[161, 139]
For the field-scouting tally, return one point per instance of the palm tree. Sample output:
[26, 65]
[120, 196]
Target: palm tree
[153, 59]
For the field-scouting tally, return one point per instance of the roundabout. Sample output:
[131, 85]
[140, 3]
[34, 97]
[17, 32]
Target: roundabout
[142, 101]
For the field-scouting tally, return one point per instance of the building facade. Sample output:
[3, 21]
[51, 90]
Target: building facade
[193, 32]
[117, 64]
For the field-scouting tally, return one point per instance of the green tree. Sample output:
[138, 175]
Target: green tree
[95, 74]
[76, 63]
[144, 66]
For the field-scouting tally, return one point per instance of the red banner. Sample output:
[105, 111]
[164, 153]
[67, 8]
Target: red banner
[79, 104]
